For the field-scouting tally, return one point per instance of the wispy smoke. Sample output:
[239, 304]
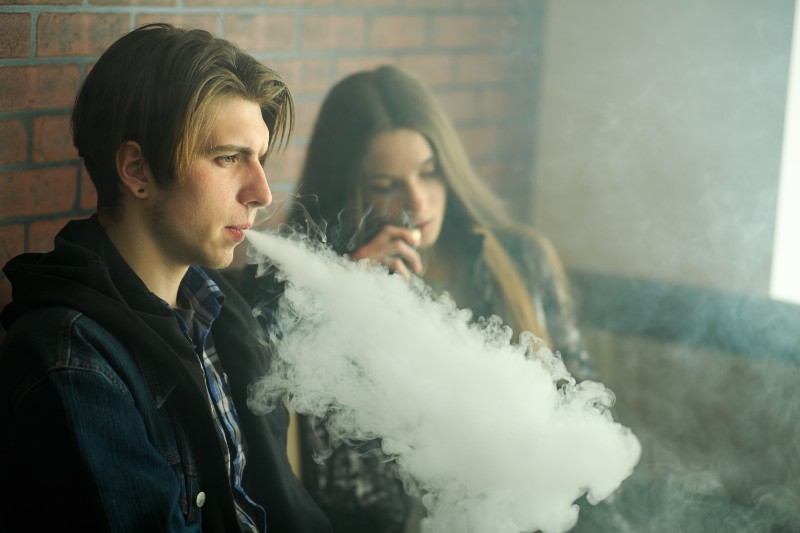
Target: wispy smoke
[493, 436]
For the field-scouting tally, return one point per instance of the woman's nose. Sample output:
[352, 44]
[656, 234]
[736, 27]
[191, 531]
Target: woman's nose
[416, 197]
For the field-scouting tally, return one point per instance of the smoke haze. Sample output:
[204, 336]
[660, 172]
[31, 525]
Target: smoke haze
[476, 423]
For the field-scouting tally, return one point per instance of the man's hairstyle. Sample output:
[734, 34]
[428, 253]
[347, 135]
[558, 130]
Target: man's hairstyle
[158, 86]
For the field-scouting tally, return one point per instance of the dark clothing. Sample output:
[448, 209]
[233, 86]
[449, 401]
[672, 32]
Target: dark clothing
[357, 486]
[107, 422]
[472, 285]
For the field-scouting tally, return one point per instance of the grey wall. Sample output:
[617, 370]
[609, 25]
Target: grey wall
[657, 158]
[660, 135]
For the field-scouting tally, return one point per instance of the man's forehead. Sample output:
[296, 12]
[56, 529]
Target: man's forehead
[236, 122]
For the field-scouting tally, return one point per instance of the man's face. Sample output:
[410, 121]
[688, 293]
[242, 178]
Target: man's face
[201, 221]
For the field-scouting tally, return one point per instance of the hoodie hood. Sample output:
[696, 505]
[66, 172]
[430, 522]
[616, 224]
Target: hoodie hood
[76, 273]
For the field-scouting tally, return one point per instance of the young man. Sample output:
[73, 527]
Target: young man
[124, 372]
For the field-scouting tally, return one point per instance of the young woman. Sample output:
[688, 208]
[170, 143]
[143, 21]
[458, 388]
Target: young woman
[387, 179]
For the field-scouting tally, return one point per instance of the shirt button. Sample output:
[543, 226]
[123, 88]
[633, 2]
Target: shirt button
[201, 499]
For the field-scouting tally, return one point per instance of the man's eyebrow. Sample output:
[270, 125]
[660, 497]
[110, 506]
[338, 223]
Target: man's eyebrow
[232, 148]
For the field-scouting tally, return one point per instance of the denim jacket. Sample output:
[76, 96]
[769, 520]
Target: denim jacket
[106, 423]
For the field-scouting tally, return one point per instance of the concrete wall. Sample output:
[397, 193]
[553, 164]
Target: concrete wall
[657, 160]
[659, 137]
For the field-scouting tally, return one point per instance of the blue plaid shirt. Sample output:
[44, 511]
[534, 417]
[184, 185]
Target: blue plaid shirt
[201, 299]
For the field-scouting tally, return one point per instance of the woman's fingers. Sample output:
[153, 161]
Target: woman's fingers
[398, 266]
[409, 235]
[393, 246]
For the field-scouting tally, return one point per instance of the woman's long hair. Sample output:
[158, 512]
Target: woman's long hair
[330, 190]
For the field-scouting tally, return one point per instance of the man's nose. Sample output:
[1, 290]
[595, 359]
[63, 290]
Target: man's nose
[256, 192]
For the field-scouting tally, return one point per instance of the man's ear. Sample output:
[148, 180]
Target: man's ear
[134, 173]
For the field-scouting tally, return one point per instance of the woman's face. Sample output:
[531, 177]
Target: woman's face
[403, 183]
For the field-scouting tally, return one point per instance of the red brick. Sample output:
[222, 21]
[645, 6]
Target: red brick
[491, 68]
[457, 31]
[508, 31]
[78, 34]
[12, 242]
[397, 32]
[350, 65]
[221, 3]
[369, 3]
[507, 103]
[517, 139]
[15, 35]
[460, 105]
[52, 139]
[38, 191]
[275, 213]
[430, 3]
[181, 20]
[45, 86]
[40, 2]
[430, 69]
[494, 5]
[88, 192]
[514, 140]
[307, 112]
[300, 3]
[261, 33]
[159, 3]
[505, 174]
[333, 32]
[285, 167]
[480, 141]
[14, 145]
[40, 236]
[304, 75]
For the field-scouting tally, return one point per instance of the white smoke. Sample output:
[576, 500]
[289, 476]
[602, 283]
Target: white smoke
[477, 424]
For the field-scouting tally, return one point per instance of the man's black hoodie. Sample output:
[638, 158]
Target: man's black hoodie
[86, 273]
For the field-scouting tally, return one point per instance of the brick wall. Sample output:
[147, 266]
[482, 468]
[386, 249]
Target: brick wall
[479, 56]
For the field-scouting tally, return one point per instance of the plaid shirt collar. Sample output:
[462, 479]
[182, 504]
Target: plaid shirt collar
[203, 297]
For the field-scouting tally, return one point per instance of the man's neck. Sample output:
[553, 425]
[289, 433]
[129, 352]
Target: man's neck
[139, 250]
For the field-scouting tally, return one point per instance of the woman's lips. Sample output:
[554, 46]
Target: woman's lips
[423, 225]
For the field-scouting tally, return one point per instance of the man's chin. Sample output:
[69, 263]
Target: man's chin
[218, 262]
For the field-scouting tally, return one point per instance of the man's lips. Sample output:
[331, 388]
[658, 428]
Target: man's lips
[241, 227]
[238, 231]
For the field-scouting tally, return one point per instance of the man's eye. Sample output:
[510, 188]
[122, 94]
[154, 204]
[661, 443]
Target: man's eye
[228, 159]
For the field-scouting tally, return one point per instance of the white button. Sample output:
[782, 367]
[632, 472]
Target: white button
[201, 499]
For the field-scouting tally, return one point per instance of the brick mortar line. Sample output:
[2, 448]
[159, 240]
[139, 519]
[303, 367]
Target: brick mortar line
[30, 113]
[397, 54]
[40, 165]
[312, 11]
[27, 220]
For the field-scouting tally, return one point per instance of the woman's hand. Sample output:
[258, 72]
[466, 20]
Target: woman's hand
[394, 247]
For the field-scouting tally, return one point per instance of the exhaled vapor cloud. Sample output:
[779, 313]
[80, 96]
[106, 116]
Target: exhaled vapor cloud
[476, 423]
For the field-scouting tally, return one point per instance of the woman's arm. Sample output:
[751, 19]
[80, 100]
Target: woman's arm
[355, 485]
